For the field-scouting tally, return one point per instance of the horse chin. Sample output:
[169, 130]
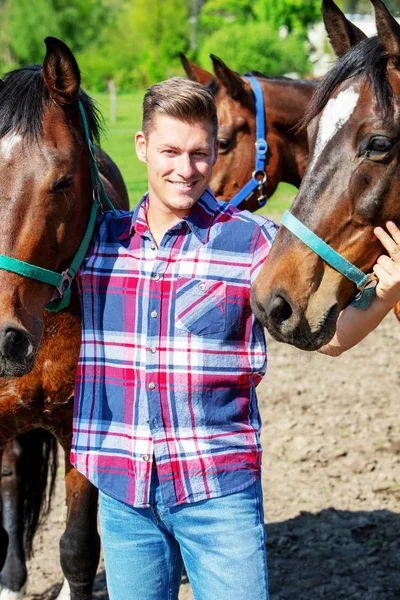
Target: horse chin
[16, 368]
[303, 337]
[300, 330]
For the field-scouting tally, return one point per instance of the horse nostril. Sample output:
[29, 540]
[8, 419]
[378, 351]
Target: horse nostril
[15, 344]
[279, 310]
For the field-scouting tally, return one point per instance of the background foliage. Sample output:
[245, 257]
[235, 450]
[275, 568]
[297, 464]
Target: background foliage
[137, 42]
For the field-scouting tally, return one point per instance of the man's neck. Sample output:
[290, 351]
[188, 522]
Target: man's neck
[160, 219]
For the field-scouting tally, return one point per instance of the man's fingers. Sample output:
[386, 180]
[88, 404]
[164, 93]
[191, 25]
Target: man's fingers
[381, 273]
[387, 263]
[390, 241]
[394, 231]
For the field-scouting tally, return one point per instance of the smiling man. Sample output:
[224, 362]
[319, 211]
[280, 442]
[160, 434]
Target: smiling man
[166, 419]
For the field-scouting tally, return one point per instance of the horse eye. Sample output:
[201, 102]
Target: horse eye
[61, 185]
[379, 145]
[224, 144]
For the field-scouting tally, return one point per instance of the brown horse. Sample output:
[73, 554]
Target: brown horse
[285, 103]
[28, 475]
[350, 186]
[46, 201]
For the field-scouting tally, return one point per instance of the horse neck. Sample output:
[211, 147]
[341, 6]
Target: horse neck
[286, 102]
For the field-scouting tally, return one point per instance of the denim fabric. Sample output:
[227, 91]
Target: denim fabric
[221, 542]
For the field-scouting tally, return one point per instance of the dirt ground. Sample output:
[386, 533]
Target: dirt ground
[331, 477]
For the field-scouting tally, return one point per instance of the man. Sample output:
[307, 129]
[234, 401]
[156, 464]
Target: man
[166, 418]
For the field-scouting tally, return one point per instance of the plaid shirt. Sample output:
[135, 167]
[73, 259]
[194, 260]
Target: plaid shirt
[171, 355]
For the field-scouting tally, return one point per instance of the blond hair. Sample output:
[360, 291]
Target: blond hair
[181, 99]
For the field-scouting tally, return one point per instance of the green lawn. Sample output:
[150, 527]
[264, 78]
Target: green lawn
[118, 141]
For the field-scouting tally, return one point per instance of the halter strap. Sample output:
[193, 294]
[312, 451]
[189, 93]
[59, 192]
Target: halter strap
[365, 283]
[62, 281]
[259, 176]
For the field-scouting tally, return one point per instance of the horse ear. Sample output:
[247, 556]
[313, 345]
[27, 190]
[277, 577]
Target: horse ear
[194, 72]
[60, 72]
[388, 31]
[341, 32]
[232, 81]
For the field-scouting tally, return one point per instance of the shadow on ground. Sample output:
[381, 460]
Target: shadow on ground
[335, 555]
[331, 555]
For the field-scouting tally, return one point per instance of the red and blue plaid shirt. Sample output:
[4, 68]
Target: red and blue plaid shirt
[171, 355]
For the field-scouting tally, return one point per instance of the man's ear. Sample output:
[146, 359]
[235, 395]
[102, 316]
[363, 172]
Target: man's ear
[141, 146]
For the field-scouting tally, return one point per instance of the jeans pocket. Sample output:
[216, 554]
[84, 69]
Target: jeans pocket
[200, 306]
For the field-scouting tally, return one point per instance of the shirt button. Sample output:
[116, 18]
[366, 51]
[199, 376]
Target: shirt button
[153, 349]
[152, 386]
[153, 246]
[146, 457]
[202, 286]
[147, 420]
[154, 314]
[156, 277]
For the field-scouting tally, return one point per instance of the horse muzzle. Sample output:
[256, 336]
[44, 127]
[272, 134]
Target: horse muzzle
[17, 351]
[287, 323]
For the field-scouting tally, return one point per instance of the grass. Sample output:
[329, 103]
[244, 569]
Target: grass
[119, 140]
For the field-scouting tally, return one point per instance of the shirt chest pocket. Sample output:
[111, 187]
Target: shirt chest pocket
[200, 306]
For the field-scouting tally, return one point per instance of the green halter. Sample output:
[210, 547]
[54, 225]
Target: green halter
[62, 281]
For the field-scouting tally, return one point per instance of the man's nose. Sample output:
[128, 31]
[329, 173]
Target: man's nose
[185, 167]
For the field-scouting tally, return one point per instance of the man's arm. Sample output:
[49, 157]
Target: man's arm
[353, 324]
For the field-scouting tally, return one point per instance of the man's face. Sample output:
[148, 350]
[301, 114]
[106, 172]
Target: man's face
[179, 158]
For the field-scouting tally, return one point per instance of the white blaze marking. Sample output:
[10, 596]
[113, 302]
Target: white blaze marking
[65, 593]
[8, 143]
[337, 111]
[6, 594]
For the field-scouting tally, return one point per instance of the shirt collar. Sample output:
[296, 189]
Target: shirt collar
[138, 220]
[199, 219]
[202, 216]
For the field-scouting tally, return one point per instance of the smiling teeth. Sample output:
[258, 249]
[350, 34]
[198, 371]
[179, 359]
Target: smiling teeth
[182, 184]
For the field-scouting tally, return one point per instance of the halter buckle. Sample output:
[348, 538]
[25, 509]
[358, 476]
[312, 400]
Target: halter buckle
[371, 282]
[66, 282]
[261, 147]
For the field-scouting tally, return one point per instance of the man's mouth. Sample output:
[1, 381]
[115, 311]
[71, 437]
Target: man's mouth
[183, 184]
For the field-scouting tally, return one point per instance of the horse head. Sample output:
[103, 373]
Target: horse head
[285, 101]
[351, 184]
[45, 188]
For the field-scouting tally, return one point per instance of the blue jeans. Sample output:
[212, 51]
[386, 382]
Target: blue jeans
[220, 541]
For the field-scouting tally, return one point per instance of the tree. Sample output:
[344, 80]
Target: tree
[256, 46]
[296, 15]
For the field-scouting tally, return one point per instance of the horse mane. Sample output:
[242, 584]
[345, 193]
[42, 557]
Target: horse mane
[23, 96]
[262, 76]
[369, 58]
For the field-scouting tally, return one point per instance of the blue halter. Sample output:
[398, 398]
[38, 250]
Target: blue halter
[259, 176]
[365, 283]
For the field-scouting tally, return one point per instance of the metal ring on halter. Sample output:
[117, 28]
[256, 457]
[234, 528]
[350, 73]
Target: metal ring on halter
[372, 281]
[65, 283]
[263, 174]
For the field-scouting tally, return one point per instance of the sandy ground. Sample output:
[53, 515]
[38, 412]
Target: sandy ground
[331, 477]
